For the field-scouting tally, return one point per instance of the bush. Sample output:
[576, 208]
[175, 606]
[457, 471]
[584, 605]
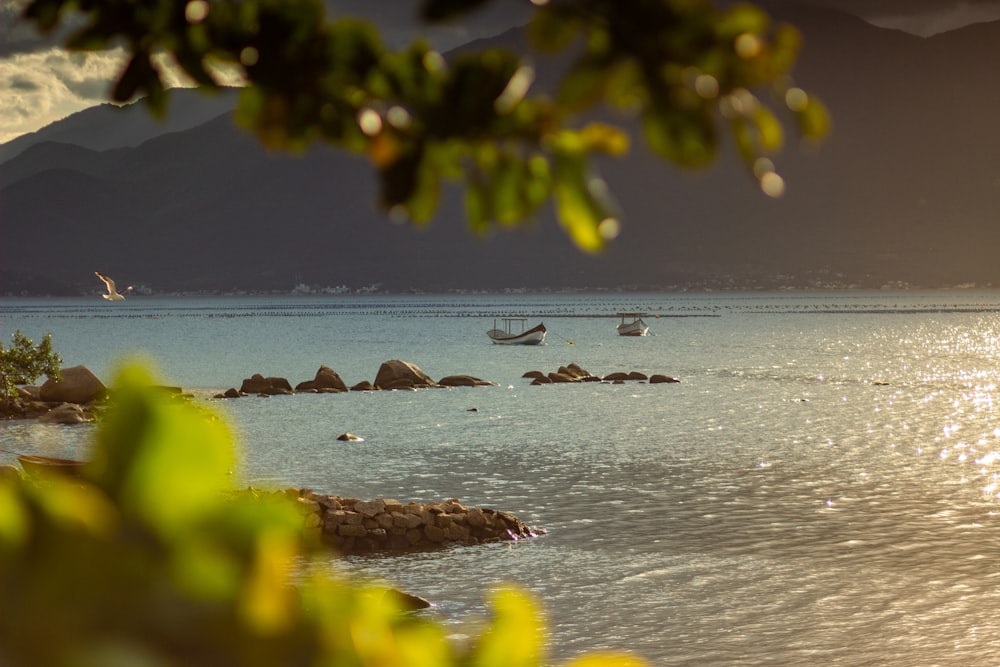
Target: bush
[152, 557]
[24, 362]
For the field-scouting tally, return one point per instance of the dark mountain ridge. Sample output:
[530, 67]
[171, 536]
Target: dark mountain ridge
[906, 189]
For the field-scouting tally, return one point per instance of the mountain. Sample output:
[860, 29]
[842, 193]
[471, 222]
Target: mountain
[905, 190]
[109, 126]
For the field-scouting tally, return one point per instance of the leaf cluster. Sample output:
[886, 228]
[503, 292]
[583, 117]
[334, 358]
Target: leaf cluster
[686, 69]
[24, 362]
[151, 557]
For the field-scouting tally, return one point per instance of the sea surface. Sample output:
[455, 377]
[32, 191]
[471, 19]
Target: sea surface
[820, 488]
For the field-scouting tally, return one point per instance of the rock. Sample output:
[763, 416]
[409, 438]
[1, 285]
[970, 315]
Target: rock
[394, 370]
[364, 385]
[369, 508]
[350, 437]
[465, 381]
[67, 413]
[534, 374]
[659, 379]
[541, 380]
[77, 385]
[636, 375]
[616, 377]
[258, 384]
[326, 380]
[561, 377]
[232, 392]
[30, 392]
[573, 370]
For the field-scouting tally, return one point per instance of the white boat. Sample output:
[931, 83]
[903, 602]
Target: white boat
[634, 327]
[511, 335]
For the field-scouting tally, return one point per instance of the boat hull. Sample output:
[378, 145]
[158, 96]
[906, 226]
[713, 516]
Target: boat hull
[46, 465]
[533, 336]
[636, 328]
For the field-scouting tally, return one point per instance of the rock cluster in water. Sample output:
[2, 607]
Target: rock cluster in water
[355, 526]
[575, 373]
[392, 375]
[402, 375]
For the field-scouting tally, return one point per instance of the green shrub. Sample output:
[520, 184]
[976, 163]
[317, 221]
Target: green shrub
[24, 362]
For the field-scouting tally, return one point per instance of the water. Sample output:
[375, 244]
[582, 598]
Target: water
[820, 488]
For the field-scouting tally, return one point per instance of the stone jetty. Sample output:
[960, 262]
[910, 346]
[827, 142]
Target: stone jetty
[354, 526]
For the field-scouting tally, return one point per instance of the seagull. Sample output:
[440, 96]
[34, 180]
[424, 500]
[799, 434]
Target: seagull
[113, 294]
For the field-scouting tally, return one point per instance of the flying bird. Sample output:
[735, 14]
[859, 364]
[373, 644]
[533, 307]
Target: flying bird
[113, 294]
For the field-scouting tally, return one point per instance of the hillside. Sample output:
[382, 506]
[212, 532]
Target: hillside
[906, 189]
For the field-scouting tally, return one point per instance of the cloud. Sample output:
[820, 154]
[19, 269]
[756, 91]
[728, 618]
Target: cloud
[42, 87]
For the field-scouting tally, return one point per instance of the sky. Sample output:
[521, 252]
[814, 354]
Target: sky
[41, 83]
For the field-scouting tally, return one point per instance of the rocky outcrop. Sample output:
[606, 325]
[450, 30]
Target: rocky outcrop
[465, 381]
[66, 413]
[394, 374]
[397, 374]
[22, 408]
[269, 386]
[63, 401]
[77, 384]
[326, 380]
[384, 525]
[575, 373]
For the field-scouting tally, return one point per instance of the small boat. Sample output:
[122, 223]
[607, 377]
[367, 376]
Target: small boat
[48, 464]
[508, 336]
[635, 327]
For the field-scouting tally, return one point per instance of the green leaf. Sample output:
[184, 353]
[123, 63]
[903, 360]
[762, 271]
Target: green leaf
[604, 138]
[477, 207]
[423, 203]
[508, 183]
[45, 13]
[813, 119]
[163, 459]
[515, 636]
[550, 31]
[740, 19]
[576, 209]
[399, 179]
[583, 86]
[684, 138]
[15, 522]
[769, 134]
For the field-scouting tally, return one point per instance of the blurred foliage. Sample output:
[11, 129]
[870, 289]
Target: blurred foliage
[24, 362]
[687, 70]
[151, 557]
